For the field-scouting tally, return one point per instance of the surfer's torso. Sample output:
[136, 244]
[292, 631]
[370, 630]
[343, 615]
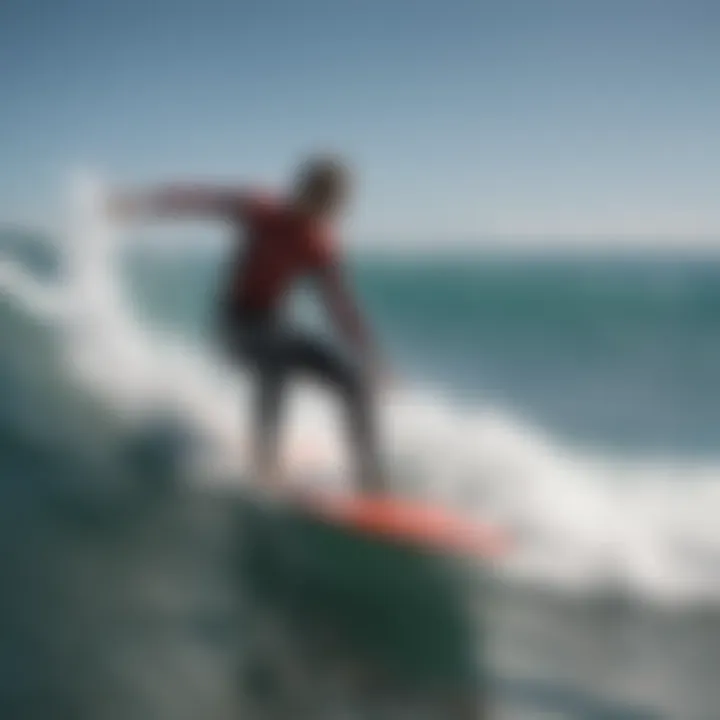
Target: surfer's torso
[280, 246]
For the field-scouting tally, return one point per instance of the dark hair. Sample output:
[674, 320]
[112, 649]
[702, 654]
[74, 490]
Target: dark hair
[322, 180]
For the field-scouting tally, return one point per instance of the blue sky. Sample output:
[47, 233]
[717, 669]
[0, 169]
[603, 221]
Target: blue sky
[463, 117]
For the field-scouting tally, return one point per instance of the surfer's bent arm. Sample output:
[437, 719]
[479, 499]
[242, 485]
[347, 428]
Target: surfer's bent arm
[343, 310]
[180, 200]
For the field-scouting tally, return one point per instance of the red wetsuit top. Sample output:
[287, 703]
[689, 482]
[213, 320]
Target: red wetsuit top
[281, 245]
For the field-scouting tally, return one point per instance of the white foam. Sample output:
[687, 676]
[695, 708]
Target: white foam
[581, 522]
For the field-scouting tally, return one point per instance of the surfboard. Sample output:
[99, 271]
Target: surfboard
[383, 518]
[397, 520]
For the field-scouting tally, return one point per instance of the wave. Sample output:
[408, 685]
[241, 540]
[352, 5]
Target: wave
[83, 372]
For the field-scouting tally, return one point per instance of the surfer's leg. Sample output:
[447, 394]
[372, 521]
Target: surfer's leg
[269, 386]
[254, 345]
[323, 362]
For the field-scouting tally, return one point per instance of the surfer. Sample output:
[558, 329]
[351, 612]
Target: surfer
[287, 238]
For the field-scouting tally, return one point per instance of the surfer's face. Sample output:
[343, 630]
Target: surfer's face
[323, 187]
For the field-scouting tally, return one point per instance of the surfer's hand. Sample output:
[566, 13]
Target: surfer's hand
[382, 376]
[390, 381]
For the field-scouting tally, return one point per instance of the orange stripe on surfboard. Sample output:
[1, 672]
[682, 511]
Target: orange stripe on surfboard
[409, 522]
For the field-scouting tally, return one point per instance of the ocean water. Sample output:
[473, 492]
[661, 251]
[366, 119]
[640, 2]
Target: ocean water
[574, 399]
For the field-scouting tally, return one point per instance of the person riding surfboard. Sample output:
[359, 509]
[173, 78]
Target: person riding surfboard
[287, 238]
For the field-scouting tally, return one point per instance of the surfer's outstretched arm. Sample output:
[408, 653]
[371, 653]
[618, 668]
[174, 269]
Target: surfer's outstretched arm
[180, 200]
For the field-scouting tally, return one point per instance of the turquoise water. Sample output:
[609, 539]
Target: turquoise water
[574, 398]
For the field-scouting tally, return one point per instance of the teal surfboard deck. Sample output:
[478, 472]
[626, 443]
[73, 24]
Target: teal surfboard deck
[412, 612]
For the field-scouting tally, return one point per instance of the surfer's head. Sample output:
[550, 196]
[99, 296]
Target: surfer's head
[322, 186]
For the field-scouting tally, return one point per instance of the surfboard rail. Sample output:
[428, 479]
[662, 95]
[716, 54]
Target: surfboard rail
[429, 526]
